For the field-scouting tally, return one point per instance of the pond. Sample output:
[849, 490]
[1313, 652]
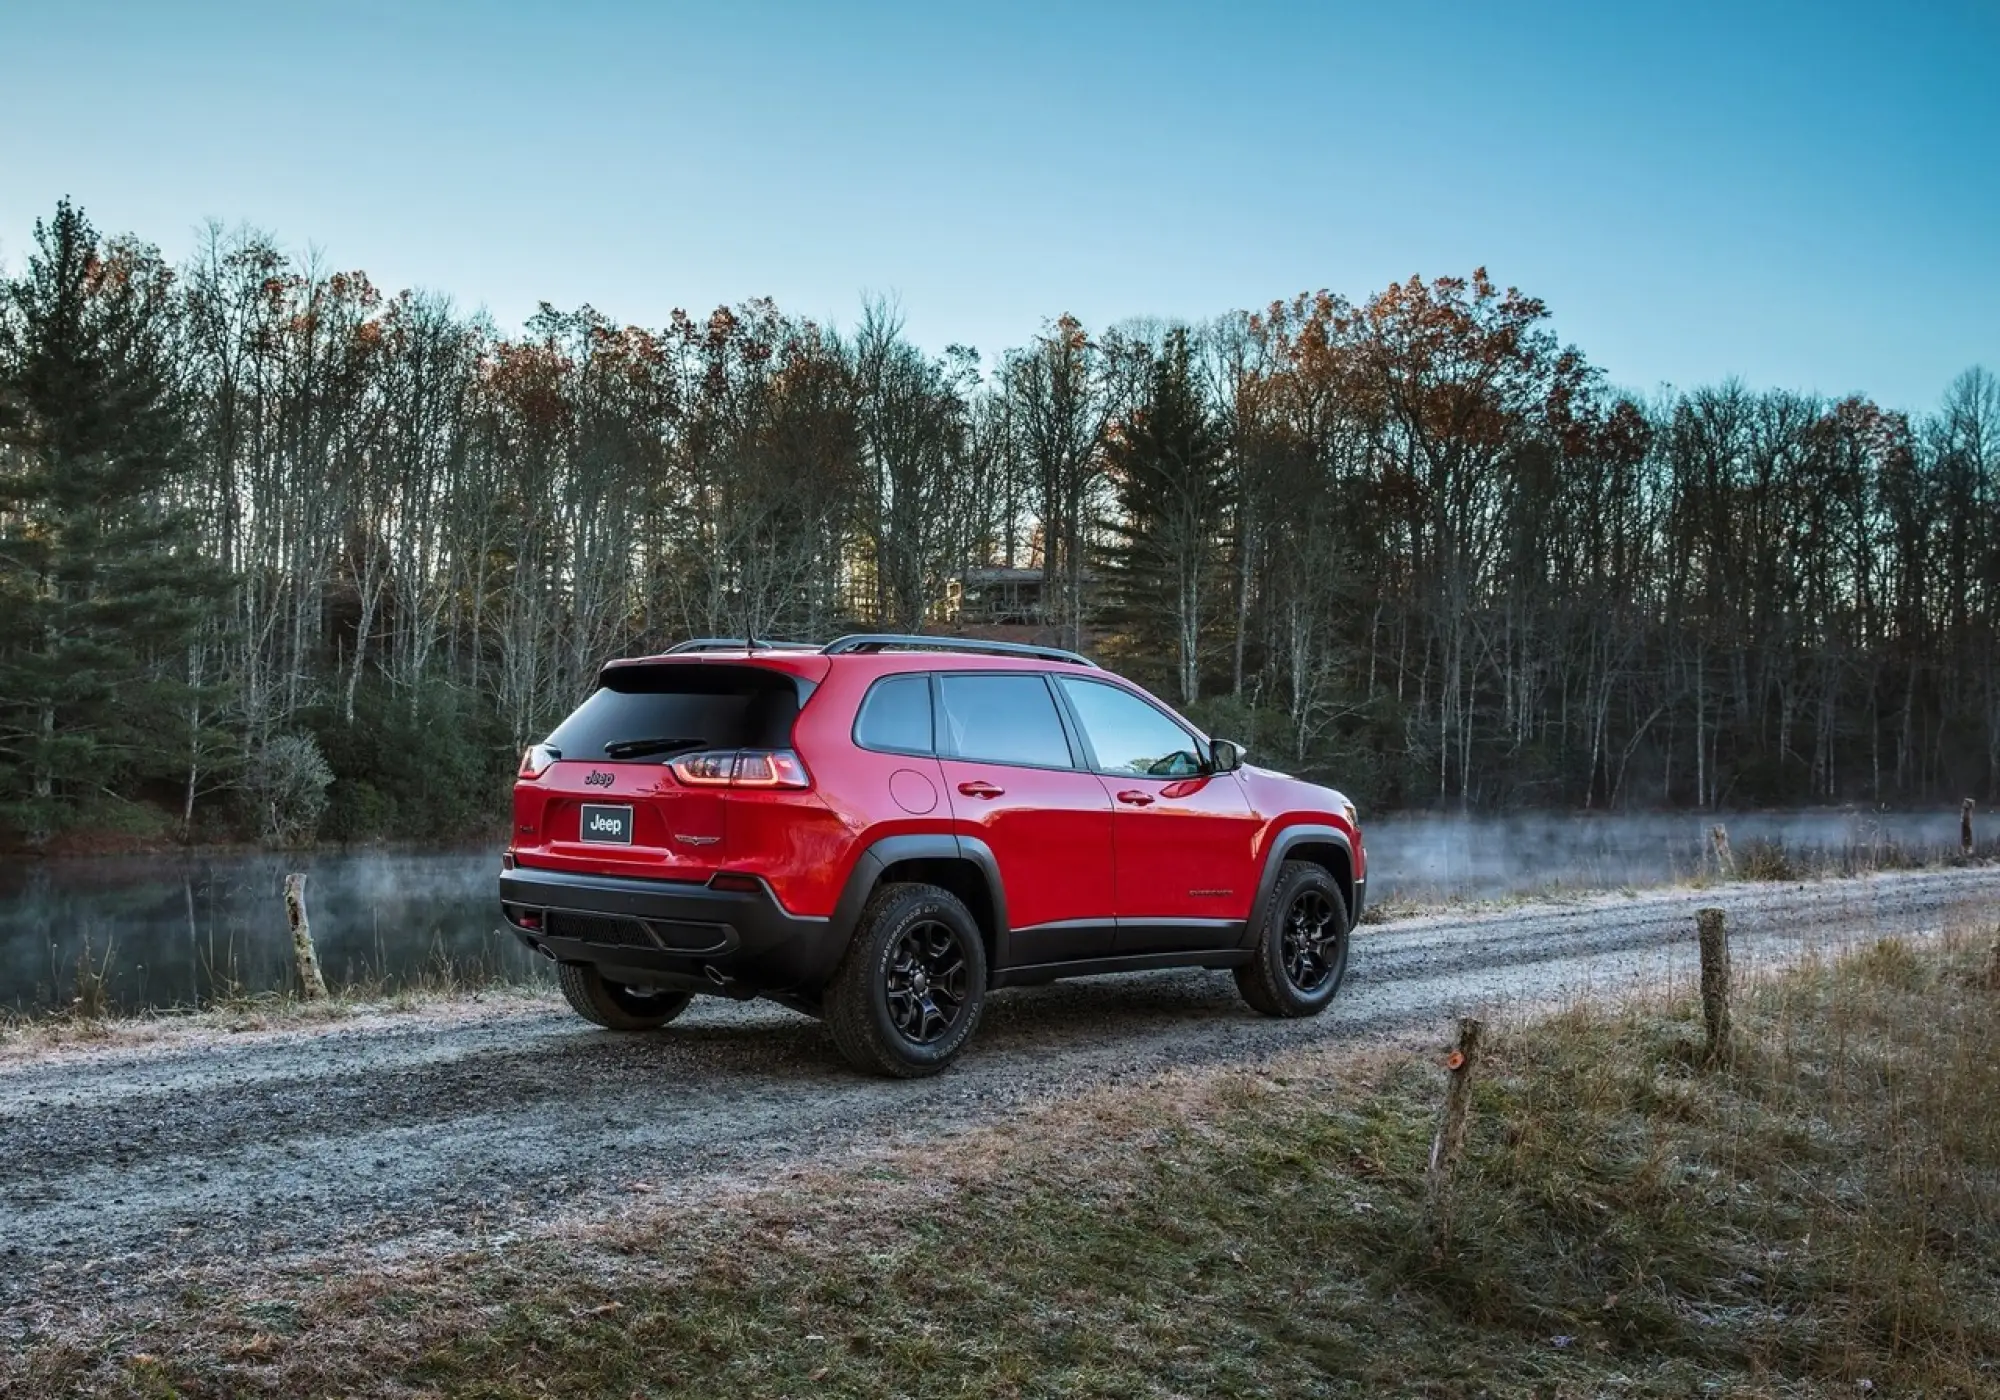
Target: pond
[163, 931]
[189, 930]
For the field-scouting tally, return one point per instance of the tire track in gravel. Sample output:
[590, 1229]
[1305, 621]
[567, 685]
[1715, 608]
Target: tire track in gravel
[114, 1164]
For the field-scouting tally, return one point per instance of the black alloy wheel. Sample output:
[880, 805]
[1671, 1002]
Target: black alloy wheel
[925, 981]
[1311, 939]
[1301, 953]
[909, 989]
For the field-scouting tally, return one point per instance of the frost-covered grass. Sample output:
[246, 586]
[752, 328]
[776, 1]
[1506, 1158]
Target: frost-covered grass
[86, 1024]
[1818, 1215]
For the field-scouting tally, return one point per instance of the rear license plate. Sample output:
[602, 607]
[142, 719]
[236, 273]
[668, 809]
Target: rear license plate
[613, 824]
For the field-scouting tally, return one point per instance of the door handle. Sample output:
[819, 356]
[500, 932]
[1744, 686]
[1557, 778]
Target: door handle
[1132, 797]
[981, 788]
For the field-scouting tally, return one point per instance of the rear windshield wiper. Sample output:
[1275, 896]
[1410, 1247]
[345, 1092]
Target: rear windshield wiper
[646, 748]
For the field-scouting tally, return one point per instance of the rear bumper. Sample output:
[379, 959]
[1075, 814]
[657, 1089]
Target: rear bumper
[669, 933]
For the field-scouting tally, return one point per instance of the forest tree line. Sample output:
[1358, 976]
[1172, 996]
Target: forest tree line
[284, 556]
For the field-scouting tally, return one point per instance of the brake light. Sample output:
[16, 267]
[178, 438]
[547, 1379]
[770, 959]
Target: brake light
[535, 761]
[771, 768]
[745, 768]
[705, 769]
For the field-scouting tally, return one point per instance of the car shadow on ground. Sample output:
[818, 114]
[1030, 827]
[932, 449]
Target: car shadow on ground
[1063, 1016]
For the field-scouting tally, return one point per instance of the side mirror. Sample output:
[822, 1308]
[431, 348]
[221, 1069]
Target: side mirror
[1224, 755]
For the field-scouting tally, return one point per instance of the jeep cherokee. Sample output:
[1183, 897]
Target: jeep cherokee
[882, 830]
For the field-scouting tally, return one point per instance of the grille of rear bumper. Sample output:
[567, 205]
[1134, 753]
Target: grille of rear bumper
[608, 930]
[601, 928]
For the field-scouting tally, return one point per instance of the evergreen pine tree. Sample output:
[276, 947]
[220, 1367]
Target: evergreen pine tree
[1167, 465]
[102, 586]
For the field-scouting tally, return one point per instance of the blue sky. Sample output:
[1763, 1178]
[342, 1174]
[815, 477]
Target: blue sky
[1803, 195]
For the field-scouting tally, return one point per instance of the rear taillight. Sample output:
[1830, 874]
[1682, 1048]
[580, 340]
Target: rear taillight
[743, 768]
[771, 768]
[536, 760]
[705, 769]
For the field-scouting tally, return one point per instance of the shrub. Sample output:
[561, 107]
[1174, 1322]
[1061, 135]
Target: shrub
[434, 769]
[288, 779]
[1768, 860]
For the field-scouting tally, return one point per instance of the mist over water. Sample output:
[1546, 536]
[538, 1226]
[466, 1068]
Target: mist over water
[184, 931]
[1424, 856]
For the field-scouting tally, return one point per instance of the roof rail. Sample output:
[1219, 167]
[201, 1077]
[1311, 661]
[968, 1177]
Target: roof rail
[737, 644]
[907, 641]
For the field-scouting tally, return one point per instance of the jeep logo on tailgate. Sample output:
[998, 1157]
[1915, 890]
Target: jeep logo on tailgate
[597, 779]
[613, 824]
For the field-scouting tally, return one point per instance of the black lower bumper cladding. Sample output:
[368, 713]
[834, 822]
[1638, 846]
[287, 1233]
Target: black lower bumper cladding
[669, 933]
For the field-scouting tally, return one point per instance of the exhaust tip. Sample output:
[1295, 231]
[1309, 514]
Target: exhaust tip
[708, 969]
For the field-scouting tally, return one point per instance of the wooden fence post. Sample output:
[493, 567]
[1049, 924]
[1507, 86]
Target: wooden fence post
[303, 952]
[1965, 827]
[1725, 862]
[1450, 1139]
[1714, 936]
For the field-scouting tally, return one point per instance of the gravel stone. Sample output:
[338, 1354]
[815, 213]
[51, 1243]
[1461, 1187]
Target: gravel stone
[388, 1135]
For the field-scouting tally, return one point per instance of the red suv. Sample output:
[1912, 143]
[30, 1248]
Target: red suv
[881, 830]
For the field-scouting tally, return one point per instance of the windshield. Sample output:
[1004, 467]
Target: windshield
[650, 714]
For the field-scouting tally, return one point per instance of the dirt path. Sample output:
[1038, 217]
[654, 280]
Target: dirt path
[418, 1132]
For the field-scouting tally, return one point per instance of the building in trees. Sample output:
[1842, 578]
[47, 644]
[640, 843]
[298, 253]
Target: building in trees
[990, 596]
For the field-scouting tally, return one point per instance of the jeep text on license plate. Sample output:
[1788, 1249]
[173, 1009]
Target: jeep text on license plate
[613, 824]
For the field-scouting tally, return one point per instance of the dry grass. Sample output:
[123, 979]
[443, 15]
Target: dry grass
[1759, 859]
[240, 1014]
[1821, 1217]
[1421, 904]
[91, 1019]
[1771, 859]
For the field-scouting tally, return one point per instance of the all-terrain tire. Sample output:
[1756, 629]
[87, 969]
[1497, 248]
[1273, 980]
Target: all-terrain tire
[614, 1006]
[909, 990]
[1301, 955]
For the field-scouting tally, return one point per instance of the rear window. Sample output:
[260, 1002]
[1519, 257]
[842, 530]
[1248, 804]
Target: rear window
[1004, 718]
[896, 716]
[681, 709]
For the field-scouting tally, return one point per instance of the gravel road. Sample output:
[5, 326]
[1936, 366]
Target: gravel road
[417, 1132]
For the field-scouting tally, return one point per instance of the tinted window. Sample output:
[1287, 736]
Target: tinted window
[896, 715]
[1003, 719]
[1130, 736]
[722, 707]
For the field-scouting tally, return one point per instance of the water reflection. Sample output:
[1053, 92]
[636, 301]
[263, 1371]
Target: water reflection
[168, 931]
[181, 931]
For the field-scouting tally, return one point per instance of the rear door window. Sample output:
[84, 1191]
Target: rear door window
[896, 716]
[1003, 718]
[651, 714]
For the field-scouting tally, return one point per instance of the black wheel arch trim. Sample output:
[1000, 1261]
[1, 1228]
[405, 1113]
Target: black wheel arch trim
[880, 855]
[1353, 891]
